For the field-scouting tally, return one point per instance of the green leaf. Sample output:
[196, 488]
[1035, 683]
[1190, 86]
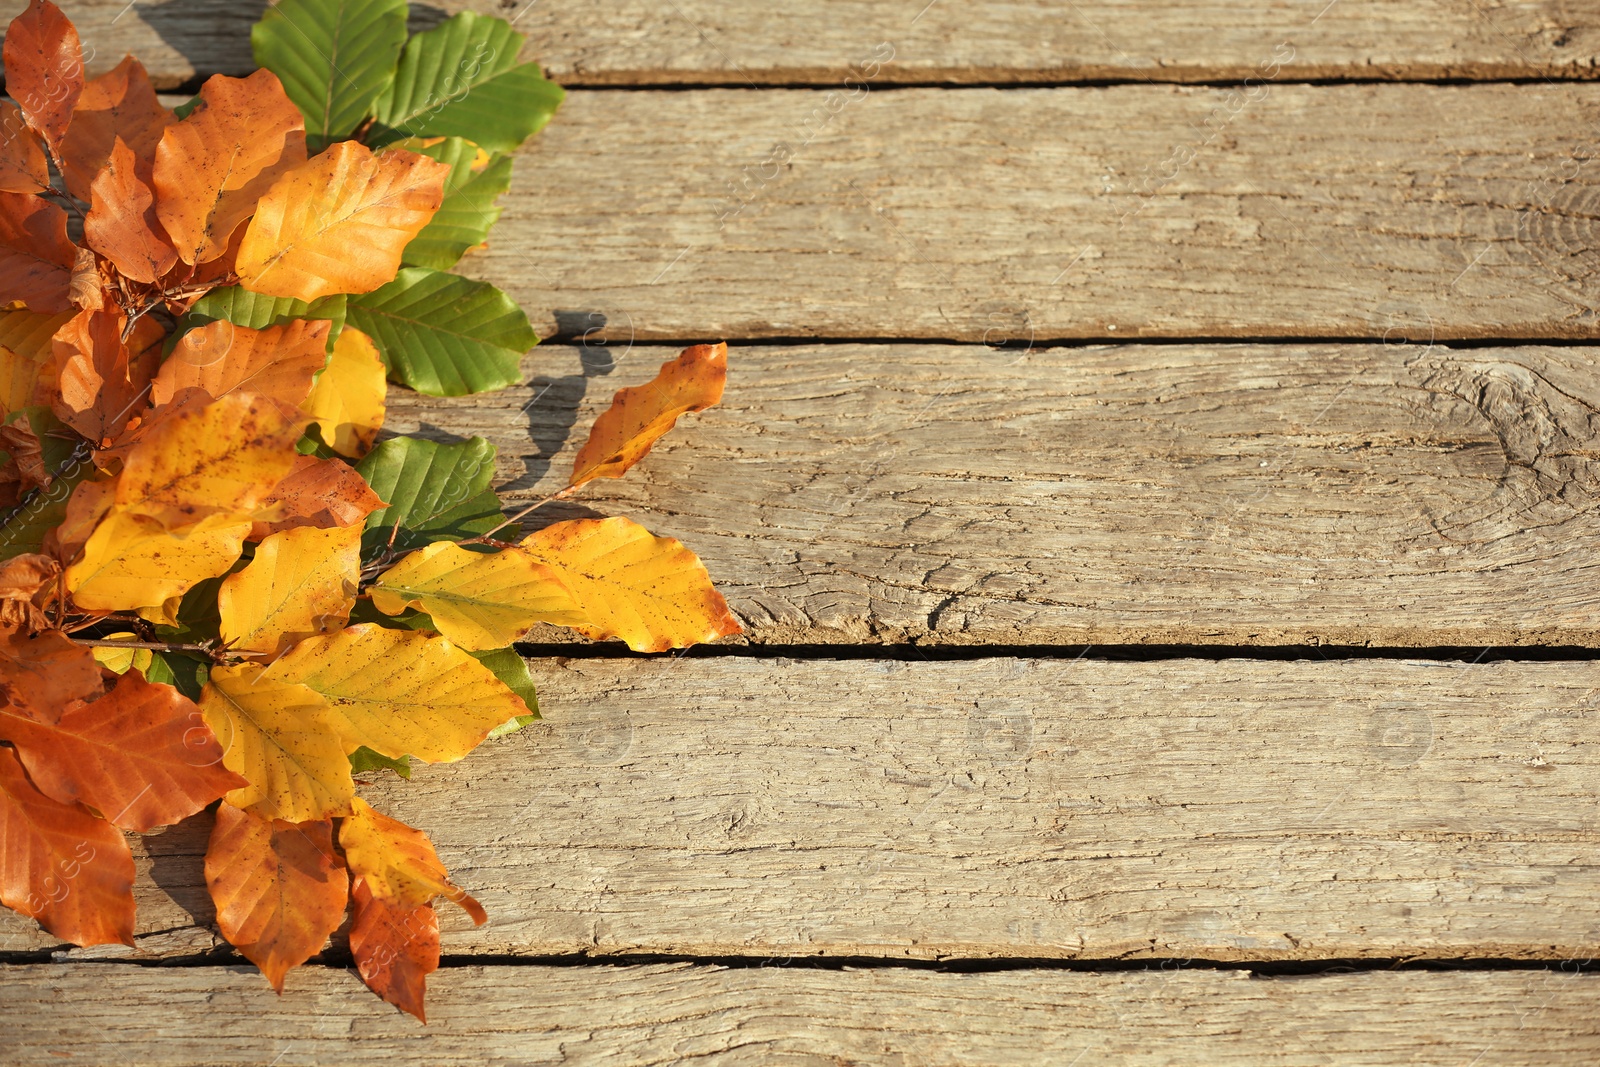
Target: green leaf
[243, 308]
[443, 334]
[180, 670]
[434, 491]
[406, 620]
[511, 669]
[183, 110]
[462, 79]
[23, 527]
[334, 57]
[364, 759]
[469, 209]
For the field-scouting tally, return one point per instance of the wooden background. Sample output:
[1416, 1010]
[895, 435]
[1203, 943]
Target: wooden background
[1158, 475]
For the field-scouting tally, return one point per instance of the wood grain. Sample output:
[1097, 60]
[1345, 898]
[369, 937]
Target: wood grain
[1002, 808]
[638, 42]
[1407, 495]
[677, 1013]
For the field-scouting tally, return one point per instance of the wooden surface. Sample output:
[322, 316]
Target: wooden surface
[676, 1014]
[1184, 494]
[728, 42]
[1005, 808]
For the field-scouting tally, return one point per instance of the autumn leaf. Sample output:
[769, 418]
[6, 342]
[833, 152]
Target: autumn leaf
[44, 67]
[278, 888]
[26, 582]
[140, 755]
[339, 222]
[213, 167]
[71, 871]
[104, 380]
[133, 560]
[278, 736]
[395, 947]
[317, 492]
[397, 861]
[639, 416]
[43, 675]
[301, 583]
[650, 591]
[347, 400]
[219, 358]
[478, 600]
[122, 225]
[23, 168]
[399, 692]
[36, 258]
[118, 104]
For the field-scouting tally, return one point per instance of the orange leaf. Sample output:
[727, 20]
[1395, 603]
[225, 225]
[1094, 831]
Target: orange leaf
[103, 381]
[397, 861]
[122, 224]
[27, 582]
[47, 675]
[141, 755]
[22, 444]
[219, 358]
[23, 168]
[44, 67]
[318, 492]
[86, 506]
[625, 432]
[278, 888]
[119, 103]
[61, 865]
[395, 946]
[339, 222]
[213, 167]
[35, 256]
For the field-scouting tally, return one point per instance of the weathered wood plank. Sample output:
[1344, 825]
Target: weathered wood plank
[679, 1013]
[633, 42]
[1135, 211]
[1231, 494]
[1005, 808]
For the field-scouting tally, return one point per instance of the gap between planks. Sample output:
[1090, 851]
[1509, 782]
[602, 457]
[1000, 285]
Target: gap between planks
[994, 810]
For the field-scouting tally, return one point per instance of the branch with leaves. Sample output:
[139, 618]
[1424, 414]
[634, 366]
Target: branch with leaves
[216, 582]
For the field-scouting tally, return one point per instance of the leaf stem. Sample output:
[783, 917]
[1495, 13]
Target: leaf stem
[484, 538]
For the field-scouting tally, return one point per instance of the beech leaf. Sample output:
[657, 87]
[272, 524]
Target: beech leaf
[133, 560]
[462, 223]
[36, 258]
[219, 358]
[478, 600]
[334, 57]
[45, 674]
[397, 861]
[301, 583]
[320, 493]
[244, 308]
[122, 225]
[23, 167]
[395, 947]
[434, 491]
[279, 890]
[44, 67]
[639, 416]
[118, 104]
[347, 400]
[104, 380]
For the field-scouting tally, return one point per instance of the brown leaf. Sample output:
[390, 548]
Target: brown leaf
[318, 492]
[86, 506]
[23, 168]
[141, 755]
[104, 382]
[119, 103]
[44, 67]
[212, 168]
[62, 866]
[395, 946]
[26, 583]
[22, 444]
[218, 358]
[87, 291]
[47, 675]
[639, 416]
[36, 259]
[122, 224]
[278, 888]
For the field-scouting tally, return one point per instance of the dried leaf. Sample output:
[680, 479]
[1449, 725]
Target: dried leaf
[301, 583]
[141, 755]
[317, 492]
[639, 416]
[46, 675]
[478, 600]
[651, 592]
[398, 861]
[278, 887]
[277, 736]
[23, 168]
[395, 947]
[212, 168]
[36, 258]
[347, 401]
[219, 358]
[398, 692]
[44, 67]
[119, 103]
[87, 288]
[122, 224]
[104, 381]
[339, 222]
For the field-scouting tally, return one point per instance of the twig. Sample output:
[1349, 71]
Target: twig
[154, 646]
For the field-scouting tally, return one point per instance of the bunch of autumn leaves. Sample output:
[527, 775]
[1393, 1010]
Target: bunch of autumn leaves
[146, 460]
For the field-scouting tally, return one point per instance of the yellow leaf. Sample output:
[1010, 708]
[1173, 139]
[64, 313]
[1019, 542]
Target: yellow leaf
[398, 861]
[649, 591]
[133, 561]
[478, 600]
[339, 222]
[302, 582]
[25, 349]
[121, 660]
[278, 737]
[399, 692]
[638, 416]
[223, 457]
[347, 400]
